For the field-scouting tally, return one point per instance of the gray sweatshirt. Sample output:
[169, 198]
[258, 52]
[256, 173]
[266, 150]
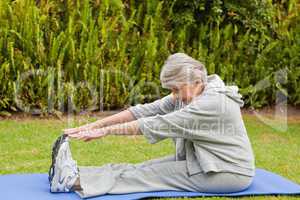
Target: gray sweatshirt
[209, 132]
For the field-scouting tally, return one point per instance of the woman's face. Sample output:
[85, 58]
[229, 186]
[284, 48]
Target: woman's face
[187, 92]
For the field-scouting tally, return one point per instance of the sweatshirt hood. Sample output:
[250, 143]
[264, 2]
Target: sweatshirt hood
[216, 84]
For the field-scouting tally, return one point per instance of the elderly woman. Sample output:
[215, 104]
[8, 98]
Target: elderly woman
[201, 115]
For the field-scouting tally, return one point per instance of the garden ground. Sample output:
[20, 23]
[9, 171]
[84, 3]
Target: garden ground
[25, 146]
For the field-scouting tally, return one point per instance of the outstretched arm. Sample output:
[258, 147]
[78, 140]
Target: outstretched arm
[127, 128]
[160, 106]
[121, 117]
[123, 127]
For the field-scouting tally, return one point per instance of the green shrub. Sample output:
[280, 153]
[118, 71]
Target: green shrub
[74, 55]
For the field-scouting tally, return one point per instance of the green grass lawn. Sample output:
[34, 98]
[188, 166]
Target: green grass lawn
[25, 147]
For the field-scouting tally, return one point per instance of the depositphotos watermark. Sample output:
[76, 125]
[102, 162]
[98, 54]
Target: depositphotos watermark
[279, 119]
[61, 94]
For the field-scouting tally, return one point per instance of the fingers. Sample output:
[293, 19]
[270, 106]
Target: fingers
[84, 138]
[72, 131]
[78, 135]
[86, 135]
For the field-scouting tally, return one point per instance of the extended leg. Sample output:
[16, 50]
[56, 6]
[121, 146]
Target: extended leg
[129, 166]
[103, 178]
[170, 175]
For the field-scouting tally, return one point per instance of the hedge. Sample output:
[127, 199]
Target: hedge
[76, 55]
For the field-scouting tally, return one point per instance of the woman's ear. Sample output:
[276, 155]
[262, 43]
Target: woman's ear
[199, 86]
[198, 83]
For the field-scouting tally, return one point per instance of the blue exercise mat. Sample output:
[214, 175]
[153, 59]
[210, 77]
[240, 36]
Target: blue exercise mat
[36, 187]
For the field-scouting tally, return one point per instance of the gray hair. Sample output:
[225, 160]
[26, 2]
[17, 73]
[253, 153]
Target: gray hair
[180, 68]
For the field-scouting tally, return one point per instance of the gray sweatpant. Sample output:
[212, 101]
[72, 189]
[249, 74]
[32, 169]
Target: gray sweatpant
[155, 175]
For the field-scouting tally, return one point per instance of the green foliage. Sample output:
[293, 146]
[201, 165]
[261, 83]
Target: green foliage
[75, 55]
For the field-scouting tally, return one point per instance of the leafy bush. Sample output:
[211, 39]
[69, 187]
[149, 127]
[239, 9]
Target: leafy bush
[74, 55]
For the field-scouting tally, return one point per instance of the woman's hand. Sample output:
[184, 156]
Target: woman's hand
[122, 117]
[88, 135]
[128, 128]
[71, 131]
